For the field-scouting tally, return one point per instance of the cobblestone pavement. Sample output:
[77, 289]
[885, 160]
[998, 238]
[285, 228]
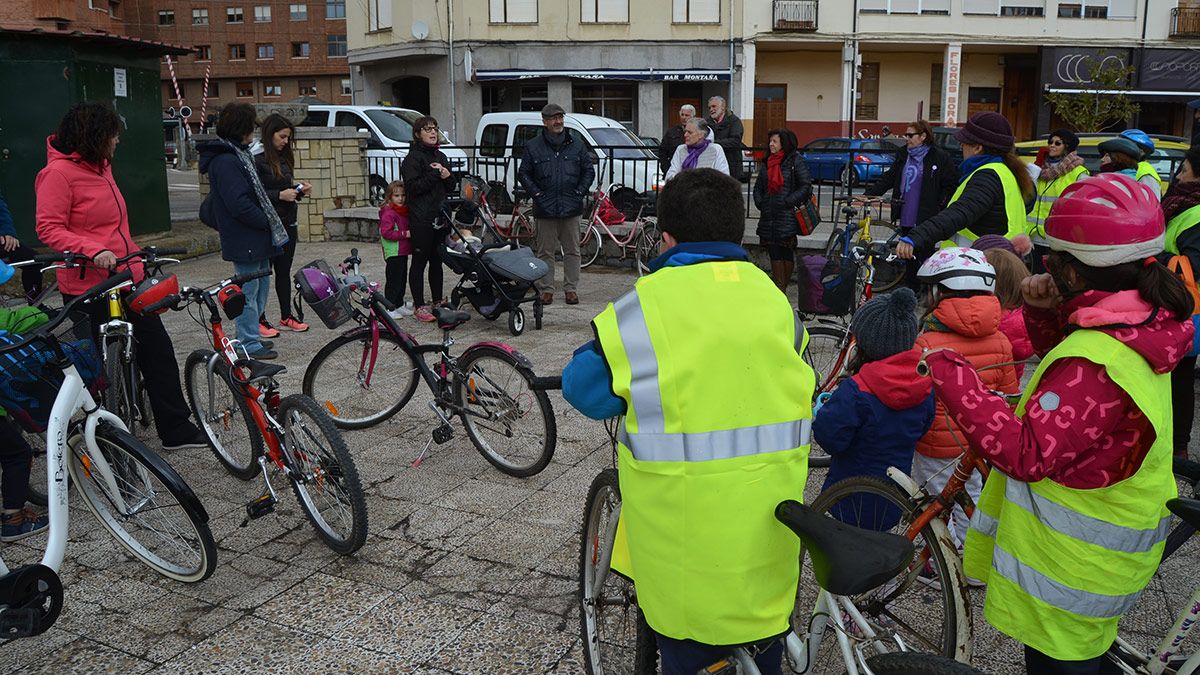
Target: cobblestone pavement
[465, 570]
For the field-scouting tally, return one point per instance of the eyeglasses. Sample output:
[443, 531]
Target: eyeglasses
[910, 134]
[1054, 143]
[429, 128]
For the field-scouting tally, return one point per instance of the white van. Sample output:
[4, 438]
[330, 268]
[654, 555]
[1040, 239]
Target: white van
[390, 132]
[500, 142]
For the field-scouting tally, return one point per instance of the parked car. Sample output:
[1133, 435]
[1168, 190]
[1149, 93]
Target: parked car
[861, 160]
[1168, 153]
[943, 137]
[621, 157]
[390, 132]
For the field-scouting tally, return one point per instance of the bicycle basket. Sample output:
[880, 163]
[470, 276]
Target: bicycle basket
[29, 382]
[839, 282]
[473, 189]
[322, 291]
[627, 201]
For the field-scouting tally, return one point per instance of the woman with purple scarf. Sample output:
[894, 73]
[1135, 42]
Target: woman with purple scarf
[698, 150]
[922, 180]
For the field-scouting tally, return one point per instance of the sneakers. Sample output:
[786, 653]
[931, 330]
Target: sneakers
[265, 329]
[193, 440]
[264, 354]
[294, 325]
[22, 524]
[400, 313]
[423, 313]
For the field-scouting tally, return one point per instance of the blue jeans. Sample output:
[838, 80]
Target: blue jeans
[256, 291]
[685, 657]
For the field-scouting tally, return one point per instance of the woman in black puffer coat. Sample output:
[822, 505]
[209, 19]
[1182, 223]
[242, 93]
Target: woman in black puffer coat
[427, 181]
[783, 184]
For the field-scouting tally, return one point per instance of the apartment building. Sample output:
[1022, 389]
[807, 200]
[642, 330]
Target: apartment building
[635, 62]
[257, 51]
[819, 67]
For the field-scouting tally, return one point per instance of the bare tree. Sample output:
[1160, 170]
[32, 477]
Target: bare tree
[1104, 100]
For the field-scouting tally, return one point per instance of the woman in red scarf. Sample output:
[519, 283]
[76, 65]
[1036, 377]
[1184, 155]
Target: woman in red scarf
[782, 185]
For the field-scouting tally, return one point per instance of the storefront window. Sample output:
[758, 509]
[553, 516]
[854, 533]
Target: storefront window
[614, 101]
[534, 98]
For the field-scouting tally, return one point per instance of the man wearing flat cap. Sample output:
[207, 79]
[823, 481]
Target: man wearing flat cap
[557, 170]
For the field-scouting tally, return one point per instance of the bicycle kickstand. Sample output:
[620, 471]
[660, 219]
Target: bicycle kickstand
[444, 432]
[264, 504]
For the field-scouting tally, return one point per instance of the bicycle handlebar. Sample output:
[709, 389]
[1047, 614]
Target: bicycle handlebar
[88, 295]
[169, 302]
[243, 278]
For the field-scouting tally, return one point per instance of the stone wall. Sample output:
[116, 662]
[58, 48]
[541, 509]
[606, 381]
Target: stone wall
[333, 160]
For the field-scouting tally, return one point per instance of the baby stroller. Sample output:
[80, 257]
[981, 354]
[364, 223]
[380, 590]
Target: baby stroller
[495, 278]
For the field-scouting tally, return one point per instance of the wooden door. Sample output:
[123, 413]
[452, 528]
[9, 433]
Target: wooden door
[770, 111]
[677, 102]
[1020, 98]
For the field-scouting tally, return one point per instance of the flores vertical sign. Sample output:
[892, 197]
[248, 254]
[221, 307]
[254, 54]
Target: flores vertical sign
[952, 80]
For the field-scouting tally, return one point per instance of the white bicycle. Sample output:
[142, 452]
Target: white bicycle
[143, 503]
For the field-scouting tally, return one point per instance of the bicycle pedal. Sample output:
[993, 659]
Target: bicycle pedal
[259, 508]
[443, 434]
[722, 667]
[17, 622]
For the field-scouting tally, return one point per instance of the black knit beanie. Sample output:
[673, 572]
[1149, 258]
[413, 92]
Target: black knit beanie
[886, 325]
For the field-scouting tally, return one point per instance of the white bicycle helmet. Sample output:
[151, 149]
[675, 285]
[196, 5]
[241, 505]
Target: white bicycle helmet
[959, 269]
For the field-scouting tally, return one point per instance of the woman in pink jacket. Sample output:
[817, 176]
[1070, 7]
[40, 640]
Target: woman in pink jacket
[80, 209]
[1070, 524]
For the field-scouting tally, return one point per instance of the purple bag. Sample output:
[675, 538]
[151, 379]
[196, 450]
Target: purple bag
[810, 290]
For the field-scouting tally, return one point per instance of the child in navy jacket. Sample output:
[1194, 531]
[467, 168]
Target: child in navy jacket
[874, 419]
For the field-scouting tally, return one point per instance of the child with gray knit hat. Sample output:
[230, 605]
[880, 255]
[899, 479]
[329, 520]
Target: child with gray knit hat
[874, 419]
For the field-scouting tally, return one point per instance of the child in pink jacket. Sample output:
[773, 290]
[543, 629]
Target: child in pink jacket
[395, 239]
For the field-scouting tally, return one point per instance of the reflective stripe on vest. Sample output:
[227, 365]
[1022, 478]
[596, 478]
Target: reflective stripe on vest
[1046, 197]
[1060, 595]
[1014, 206]
[1177, 226]
[1084, 527]
[643, 386]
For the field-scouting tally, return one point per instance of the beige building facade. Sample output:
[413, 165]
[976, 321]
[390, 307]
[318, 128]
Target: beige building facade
[818, 67]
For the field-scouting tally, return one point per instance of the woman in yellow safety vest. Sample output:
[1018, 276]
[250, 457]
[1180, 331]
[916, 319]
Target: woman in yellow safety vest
[1071, 523]
[1060, 166]
[992, 195]
[1182, 211]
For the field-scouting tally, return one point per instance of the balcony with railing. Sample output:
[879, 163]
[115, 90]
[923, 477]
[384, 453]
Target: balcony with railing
[1185, 22]
[795, 15]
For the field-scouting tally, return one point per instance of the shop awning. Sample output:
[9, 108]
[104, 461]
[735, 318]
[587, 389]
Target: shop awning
[688, 75]
[1127, 92]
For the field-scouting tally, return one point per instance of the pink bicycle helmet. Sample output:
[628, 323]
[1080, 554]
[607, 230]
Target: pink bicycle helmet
[1106, 220]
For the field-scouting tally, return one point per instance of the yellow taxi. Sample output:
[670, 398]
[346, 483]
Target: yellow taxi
[1168, 153]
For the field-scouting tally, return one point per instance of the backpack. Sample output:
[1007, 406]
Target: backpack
[1182, 265]
[29, 384]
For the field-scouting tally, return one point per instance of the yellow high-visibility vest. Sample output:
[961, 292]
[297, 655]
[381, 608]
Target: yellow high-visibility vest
[1014, 205]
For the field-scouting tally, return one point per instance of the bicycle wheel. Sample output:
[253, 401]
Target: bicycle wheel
[146, 506]
[616, 637]
[323, 474]
[223, 415]
[522, 226]
[647, 245]
[887, 275]
[589, 245]
[912, 663]
[828, 351]
[510, 423]
[356, 395]
[117, 397]
[926, 604]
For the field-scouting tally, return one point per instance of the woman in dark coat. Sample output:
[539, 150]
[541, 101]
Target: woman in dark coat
[783, 184]
[921, 179]
[427, 180]
[274, 167]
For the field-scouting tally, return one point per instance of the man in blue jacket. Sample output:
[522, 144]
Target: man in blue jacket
[557, 170]
[12, 250]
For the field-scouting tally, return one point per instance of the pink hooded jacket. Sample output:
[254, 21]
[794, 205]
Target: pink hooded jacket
[1012, 324]
[1094, 436]
[80, 209]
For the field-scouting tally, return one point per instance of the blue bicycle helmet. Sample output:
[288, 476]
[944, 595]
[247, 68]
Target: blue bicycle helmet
[1141, 138]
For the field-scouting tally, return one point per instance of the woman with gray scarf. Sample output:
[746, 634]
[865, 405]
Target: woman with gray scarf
[238, 207]
[1060, 166]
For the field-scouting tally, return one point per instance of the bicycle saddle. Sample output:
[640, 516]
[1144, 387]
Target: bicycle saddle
[849, 211]
[846, 560]
[519, 194]
[260, 371]
[449, 319]
[1187, 509]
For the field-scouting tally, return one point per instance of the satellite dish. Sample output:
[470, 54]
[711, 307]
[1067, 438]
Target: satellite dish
[420, 30]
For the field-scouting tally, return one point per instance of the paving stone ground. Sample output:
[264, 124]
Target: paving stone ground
[465, 570]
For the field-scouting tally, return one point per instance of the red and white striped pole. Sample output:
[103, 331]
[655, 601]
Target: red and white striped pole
[187, 131]
[204, 98]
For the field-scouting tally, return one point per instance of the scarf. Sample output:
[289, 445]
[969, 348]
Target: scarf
[1183, 197]
[775, 173]
[1057, 168]
[402, 209]
[279, 235]
[910, 185]
[969, 165]
[694, 152]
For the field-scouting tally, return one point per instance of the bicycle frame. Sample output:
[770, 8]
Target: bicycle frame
[1169, 646]
[491, 221]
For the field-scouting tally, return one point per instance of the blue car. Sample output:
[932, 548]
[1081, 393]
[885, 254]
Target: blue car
[864, 159]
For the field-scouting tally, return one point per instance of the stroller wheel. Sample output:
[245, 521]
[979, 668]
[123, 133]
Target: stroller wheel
[458, 300]
[516, 322]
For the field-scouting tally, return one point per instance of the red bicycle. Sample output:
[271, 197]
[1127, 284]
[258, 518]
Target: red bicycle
[520, 225]
[224, 386]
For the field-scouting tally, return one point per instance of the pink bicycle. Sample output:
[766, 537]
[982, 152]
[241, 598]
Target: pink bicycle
[641, 238]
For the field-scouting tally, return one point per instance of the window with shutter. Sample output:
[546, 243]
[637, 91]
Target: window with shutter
[981, 7]
[379, 14]
[512, 11]
[873, 6]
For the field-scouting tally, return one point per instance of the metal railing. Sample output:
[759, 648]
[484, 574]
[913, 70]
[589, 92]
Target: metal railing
[630, 166]
[1185, 22]
[797, 15]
